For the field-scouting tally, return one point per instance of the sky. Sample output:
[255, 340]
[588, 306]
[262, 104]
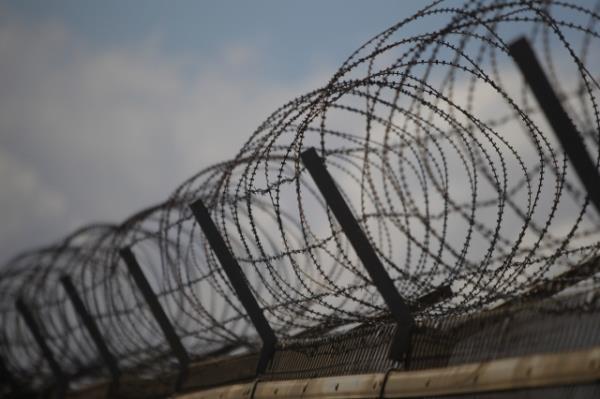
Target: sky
[105, 107]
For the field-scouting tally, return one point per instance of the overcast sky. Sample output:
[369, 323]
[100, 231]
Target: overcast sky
[105, 107]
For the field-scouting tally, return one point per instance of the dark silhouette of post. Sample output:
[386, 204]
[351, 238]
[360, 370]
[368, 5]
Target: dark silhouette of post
[568, 135]
[238, 281]
[33, 326]
[94, 332]
[159, 314]
[7, 378]
[359, 241]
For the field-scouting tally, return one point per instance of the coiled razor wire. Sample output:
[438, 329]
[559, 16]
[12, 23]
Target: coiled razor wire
[437, 144]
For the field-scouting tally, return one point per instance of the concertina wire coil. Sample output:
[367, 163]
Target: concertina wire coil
[435, 141]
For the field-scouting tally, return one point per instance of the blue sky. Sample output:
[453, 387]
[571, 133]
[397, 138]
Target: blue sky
[105, 107]
[294, 36]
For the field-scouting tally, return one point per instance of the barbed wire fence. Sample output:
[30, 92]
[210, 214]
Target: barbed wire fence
[458, 173]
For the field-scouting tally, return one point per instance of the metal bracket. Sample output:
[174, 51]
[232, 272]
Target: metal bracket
[437, 295]
[359, 241]
[564, 129]
[92, 328]
[238, 281]
[159, 314]
[62, 383]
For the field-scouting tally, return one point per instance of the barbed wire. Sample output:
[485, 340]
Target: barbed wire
[435, 142]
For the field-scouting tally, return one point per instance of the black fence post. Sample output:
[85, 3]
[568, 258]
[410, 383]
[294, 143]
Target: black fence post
[7, 378]
[568, 135]
[238, 281]
[359, 241]
[92, 328]
[159, 314]
[60, 377]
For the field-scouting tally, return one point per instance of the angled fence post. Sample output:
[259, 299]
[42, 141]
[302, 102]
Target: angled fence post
[564, 129]
[359, 241]
[92, 328]
[159, 314]
[238, 281]
[6, 377]
[34, 328]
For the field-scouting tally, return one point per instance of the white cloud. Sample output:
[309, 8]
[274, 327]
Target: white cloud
[91, 134]
[25, 196]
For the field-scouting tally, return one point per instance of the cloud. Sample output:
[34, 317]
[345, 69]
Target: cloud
[26, 197]
[91, 134]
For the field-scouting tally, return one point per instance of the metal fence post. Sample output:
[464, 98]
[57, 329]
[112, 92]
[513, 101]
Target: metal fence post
[92, 328]
[159, 314]
[36, 332]
[564, 129]
[359, 241]
[7, 378]
[238, 281]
